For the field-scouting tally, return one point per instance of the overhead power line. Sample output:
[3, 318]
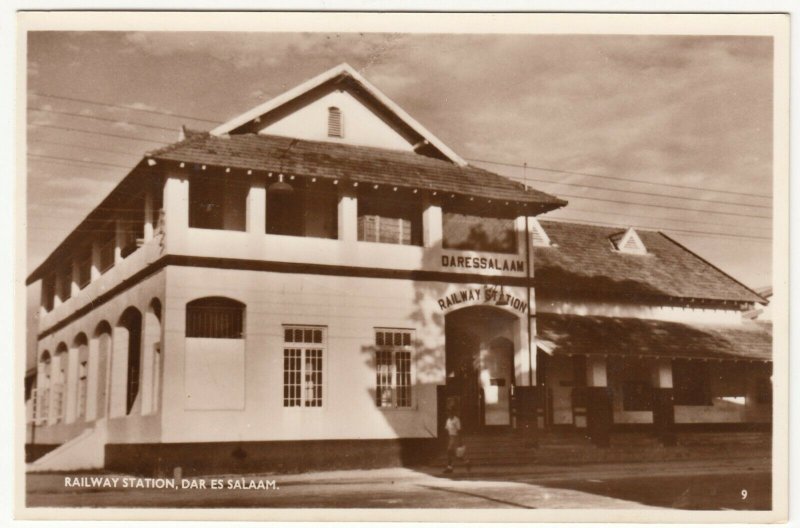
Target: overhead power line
[99, 118]
[507, 164]
[629, 203]
[74, 160]
[125, 107]
[682, 231]
[675, 208]
[120, 136]
[107, 150]
[644, 193]
[665, 218]
[617, 178]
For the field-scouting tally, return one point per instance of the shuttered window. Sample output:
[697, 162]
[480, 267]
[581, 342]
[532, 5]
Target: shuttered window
[393, 350]
[335, 122]
[215, 317]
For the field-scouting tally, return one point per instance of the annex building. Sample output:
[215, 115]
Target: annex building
[321, 277]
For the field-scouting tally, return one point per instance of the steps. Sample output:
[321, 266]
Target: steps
[572, 447]
[85, 451]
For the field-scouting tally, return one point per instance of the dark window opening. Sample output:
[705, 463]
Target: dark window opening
[132, 321]
[691, 382]
[304, 211]
[637, 396]
[218, 202]
[764, 390]
[215, 317]
[389, 221]
[478, 233]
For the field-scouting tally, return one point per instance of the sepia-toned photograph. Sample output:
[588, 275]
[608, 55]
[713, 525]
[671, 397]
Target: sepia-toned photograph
[515, 264]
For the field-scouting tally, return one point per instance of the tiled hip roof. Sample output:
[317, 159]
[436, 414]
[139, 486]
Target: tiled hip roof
[351, 163]
[618, 336]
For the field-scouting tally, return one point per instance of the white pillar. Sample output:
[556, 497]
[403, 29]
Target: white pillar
[148, 215]
[71, 386]
[95, 271]
[522, 240]
[596, 375]
[662, 373]
[432, 225]
[75, 284]
[119, 239]
[118, 383]
[257, 207]
[348, 216]
[176, 211]
[58, 287]
[93, 378]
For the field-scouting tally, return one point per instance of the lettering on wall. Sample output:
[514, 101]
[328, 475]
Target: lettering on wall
[486, 294]
[482, 263]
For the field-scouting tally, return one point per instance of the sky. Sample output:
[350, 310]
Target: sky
[590, 113]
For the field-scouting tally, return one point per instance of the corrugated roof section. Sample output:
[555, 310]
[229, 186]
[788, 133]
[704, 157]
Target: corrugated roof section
[351, 163]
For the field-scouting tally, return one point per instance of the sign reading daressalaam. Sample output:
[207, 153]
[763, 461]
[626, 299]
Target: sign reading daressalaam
[486, 294]
[482, 263]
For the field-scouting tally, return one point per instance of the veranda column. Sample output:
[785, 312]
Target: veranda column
[348, 215]
[599, 415]
[119, 240]
[663, 401]
[432, 225]
[95, 270]
[148, 215]
[75, 281]
[257, 208]
[176, 211]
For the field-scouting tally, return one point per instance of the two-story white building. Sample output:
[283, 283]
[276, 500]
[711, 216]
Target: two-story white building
[318, 278]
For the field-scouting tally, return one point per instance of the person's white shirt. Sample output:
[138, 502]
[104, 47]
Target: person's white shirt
[453, 426]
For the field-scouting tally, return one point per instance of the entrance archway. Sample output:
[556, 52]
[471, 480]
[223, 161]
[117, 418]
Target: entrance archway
[479, 361]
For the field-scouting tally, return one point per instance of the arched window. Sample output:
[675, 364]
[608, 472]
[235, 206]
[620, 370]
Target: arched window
[59, 382]
[82, 344]
[335, 128]
[131, 324]
[41, 398]
[215, 317]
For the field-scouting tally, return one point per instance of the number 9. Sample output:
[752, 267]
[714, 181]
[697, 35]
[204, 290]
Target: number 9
[744, 494]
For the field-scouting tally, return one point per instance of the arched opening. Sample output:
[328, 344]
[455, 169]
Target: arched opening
[99, 361]
[80, 372]
[151, 355]
[479, 361]
[41, 402]
[59, 384]
[126, 367]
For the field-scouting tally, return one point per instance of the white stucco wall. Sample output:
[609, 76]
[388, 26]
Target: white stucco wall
[350, 308]
[361, 125]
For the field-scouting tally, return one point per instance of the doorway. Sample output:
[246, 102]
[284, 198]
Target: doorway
[479, 361]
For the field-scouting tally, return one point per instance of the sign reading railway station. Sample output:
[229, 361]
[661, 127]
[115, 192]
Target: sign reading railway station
[482, 295]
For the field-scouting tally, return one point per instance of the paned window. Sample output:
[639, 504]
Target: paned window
[303, 354]
[393, 350]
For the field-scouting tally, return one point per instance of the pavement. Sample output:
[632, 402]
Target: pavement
[742, 484]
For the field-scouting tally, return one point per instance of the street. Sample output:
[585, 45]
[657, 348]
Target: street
[692, 485]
